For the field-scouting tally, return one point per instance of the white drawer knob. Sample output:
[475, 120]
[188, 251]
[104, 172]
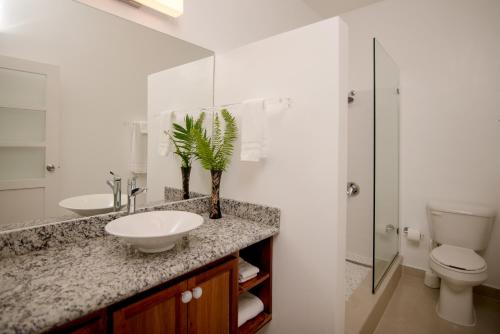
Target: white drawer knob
[197, 292]
[186, 297]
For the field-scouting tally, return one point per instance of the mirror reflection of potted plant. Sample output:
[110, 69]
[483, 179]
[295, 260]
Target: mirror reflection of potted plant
[184, 140]
[214, 154]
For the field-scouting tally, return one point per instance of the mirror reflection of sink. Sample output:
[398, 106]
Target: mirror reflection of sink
[92, 204]
[155, 231]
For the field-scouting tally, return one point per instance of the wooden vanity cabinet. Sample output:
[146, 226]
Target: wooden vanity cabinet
[216, 310]
[162, 313]
[212, 309]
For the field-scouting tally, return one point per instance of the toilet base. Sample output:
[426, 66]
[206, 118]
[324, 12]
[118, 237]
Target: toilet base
[456, 304]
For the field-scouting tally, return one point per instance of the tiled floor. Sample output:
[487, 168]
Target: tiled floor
[354, 275]
[411, 310]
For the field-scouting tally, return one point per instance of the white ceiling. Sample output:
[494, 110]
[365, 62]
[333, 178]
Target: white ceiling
[221, 25]
[330, 8]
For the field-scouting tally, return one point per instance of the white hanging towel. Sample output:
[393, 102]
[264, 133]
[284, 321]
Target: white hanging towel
[249, 306]
[143, 126]
[138, 150]
[271, 108]
[164, 144]
[253, 130]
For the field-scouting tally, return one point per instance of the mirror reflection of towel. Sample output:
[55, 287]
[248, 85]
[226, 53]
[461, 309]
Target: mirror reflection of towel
[164, 144]
[138, 148]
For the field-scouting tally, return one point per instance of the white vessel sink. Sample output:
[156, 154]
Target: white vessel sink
[155, 231]
[89, 205]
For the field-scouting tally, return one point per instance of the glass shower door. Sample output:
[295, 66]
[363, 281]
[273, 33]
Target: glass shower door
[386, 162]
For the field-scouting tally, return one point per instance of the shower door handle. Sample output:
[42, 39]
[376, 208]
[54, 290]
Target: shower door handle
[352, 189]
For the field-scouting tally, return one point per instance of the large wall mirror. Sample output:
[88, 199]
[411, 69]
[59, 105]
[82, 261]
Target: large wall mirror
[81, 94]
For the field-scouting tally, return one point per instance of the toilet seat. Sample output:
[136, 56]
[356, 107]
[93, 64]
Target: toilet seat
[459, 259]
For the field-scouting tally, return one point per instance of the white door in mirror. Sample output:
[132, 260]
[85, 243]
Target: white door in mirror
[155, 231]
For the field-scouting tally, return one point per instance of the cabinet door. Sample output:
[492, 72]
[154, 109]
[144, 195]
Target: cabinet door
[161, 313]
[215, 311]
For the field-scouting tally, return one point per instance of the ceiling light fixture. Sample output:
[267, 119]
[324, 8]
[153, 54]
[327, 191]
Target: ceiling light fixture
[173, 8]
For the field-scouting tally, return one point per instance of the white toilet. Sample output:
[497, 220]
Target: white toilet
[459, 231]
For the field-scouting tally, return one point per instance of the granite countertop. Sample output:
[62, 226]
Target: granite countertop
[51, 286]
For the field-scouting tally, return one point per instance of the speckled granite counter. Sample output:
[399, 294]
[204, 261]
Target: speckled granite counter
[66, 280]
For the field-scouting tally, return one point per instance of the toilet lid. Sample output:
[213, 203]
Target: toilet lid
[458, 258]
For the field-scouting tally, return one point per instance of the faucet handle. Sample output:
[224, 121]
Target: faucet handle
[137, 191]
[116, 177]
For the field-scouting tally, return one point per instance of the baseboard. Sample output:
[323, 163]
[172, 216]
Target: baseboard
[487, 291]
[412, 271]
[480, 290]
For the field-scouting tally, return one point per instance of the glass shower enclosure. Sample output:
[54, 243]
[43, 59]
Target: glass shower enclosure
[386, 163]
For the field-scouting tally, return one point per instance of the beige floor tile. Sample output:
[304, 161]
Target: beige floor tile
[412, 311]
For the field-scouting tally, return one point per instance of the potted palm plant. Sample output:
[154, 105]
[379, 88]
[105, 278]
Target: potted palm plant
[184, 140]
[214, 154]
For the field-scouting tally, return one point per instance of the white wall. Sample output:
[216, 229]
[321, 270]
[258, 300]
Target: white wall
[305, 173]
[104, 62]
[448, 53]
[188, 86]
[219, 24]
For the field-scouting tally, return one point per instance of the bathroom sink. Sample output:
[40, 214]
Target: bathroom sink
[155, 231]
[89, 205]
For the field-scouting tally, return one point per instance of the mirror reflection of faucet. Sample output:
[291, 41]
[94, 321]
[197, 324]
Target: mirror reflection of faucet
[116, 186]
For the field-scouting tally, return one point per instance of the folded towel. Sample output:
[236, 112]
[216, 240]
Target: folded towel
[249, 306]
[246, 271]
[243, 280]
[253, 130]
[138, 150]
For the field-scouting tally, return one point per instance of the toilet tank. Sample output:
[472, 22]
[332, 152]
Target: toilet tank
[461, 225]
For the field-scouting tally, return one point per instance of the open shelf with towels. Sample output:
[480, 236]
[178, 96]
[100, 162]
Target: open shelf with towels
[259, 255]
[254, 325]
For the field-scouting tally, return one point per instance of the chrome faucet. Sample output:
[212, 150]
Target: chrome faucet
[116, 186]
[132, 192]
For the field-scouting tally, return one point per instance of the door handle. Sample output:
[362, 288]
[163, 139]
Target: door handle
[197, 292]
[186, 297]
[50, 168]
[352, 189]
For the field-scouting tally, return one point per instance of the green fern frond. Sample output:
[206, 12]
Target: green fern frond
[183, 138]
[215, 153]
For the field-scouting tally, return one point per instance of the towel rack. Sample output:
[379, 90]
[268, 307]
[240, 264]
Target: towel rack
[132, 123]
[287, 101]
